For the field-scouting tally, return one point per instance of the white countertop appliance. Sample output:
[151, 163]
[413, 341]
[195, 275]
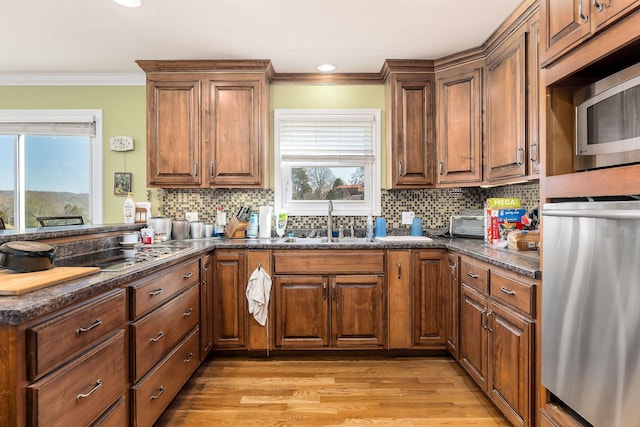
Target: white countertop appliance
[470, 223]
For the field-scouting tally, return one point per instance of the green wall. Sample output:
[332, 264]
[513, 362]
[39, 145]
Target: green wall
[123, 113]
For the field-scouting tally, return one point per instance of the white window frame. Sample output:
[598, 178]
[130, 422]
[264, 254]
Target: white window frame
[60, 116]
[282, 174]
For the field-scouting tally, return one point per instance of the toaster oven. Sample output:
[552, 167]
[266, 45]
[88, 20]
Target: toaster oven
[467, 225]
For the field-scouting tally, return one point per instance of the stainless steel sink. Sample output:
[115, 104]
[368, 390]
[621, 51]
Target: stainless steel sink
[325, 240]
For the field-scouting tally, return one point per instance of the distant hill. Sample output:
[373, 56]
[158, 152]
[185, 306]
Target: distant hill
[45, 203]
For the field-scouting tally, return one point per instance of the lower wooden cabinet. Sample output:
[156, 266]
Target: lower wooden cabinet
[329, 311]
[326, 309]
[229, 300]
[452, 304]
[206, 305]
[496, 344]
[429, 268]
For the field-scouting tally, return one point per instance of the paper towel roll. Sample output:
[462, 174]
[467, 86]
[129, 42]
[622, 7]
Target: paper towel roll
[265, 222]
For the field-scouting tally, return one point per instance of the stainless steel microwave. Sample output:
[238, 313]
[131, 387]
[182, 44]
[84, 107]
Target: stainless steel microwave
[608, 121]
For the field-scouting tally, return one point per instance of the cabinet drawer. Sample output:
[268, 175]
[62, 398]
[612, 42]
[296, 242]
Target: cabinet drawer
[153, 394]
[328, 262]
[82, 391]
[150, 293]
[517, 294]
[116, 416]
[51, 343]
[475, 274]
[155, 334]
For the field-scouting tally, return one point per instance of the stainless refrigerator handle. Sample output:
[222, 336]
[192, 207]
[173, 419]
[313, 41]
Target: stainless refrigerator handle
[604, 213]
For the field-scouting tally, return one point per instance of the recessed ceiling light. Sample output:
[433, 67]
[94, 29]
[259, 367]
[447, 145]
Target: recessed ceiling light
[326, 68]
[129, 3]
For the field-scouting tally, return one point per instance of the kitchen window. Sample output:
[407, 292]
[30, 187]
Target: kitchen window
[323, 155]
[50, 165]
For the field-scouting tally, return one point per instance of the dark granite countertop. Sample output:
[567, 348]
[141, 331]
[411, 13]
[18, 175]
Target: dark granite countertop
[18, 309]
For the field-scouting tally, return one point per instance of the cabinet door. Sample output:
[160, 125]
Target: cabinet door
[233, 133]
[302, 311]
[357, 311]
[229, 301]
[567, 23]
[173, 131]
[206, 306]
[510, 364]
[506, 106]
[606, 12]
[533, 90]
[460, 127]
[412, 144]
[398, 280]
[452, 304]
[428, 299]
[473, 335]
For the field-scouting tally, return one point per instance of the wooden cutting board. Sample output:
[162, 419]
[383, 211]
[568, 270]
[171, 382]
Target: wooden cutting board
[12, 283]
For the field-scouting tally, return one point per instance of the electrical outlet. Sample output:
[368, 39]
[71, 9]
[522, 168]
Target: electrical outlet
[121, 143]
[407, 218]
[191, 216]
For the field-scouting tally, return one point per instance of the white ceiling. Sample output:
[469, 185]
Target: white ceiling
[98, 36]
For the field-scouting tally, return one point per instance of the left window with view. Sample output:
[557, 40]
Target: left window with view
[50, 165]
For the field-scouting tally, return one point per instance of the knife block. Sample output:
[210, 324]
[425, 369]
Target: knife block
[235, 229]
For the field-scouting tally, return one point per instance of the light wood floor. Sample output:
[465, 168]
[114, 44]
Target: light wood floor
[331, 391]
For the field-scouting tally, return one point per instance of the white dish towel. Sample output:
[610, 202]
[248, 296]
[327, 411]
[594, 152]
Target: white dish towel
[258, 291]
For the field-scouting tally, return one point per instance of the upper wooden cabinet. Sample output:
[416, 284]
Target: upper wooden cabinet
[207, 123]
[410, 98]
[511, 132]
[569, 22]
[459, 113]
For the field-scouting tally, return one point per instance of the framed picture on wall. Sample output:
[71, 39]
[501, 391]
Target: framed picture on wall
[122, 183]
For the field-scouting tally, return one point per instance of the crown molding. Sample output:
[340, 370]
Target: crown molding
[72, 79]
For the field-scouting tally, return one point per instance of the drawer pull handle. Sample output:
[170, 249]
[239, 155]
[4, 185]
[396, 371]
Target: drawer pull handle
[507, 291]
[399, 269]
[188, 312]
[489, 313]
[157, 396]
[85, 395]
[188, 275]
[155, 292]
[472, 275]
[97, 323]
[189, 358]
[157, 338]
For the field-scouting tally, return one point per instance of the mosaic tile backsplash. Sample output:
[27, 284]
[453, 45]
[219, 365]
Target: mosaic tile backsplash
[434, 206]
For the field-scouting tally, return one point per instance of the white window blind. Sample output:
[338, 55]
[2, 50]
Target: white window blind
[81, 128]
[327, 138]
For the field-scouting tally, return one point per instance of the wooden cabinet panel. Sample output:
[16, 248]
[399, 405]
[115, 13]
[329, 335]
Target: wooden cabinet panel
[51, 343]
[233, 133]
[459, 111]
[116, 416]
[605, 12]
[411, 118]
[473, 339]
[533, 95]
[399, 284]
[229, 301]
[302, 311]
[155, 334]
[510, 369]
[506, 107]
[428, 299]
[155, 391]
[515, 293]
[206, 306]
[474, 273]
[173, 130]
[328, 262]
[357, 311]
[260, 337]
[452, 304]
[81, 391]
[152, 292]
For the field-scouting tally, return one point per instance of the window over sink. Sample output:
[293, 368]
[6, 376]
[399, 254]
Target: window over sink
[50, 165]
[323, 155]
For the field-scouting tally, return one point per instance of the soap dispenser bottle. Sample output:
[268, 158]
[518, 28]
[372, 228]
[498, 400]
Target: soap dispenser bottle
[129, 210]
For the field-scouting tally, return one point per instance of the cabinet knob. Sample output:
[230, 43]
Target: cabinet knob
[399, 168]
[582, 16]
[399, 269]
[441, 167]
